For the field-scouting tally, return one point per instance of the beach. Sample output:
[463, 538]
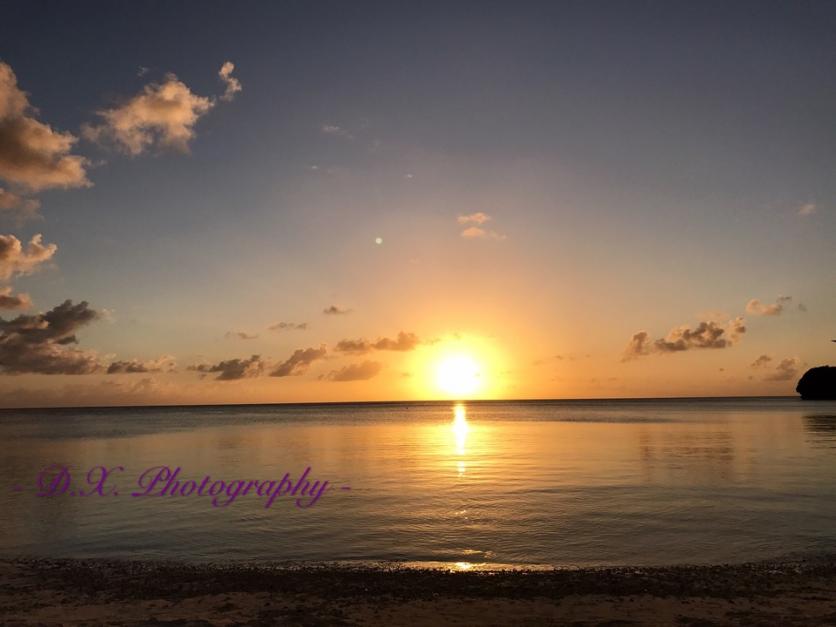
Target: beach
[73, 592]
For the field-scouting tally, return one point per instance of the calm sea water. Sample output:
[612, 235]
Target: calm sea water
[562, 483]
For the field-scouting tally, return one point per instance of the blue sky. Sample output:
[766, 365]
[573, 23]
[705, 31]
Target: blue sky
[642, 163]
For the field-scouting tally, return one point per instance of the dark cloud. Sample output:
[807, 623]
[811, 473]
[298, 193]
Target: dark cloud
[298, 362]
[288, 326]
[355, 372]
[353, 346]
[165, 363]
[41, 343]
[233, 369]
[404, 342]
[32, 154]
[333, 310]
[707, 334]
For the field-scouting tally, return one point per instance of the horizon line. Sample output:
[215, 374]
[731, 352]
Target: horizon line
[401, 402]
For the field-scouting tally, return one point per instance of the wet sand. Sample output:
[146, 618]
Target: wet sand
[53, 592]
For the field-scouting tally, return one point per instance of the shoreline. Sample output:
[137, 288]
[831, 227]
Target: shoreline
[74, 591]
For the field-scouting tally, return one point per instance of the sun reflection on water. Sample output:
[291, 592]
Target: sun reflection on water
[460, 429]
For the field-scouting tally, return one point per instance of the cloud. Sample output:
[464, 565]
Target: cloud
[32, 154]
[232, 84]
[166, 363]
[18, 207]
[41, 343]
[786, 370]
[233, 369]
[13, 301]
[298, 362]
[353, 346]
[337, 131]
[807, 209]
[761, 361]
[474, 218]
[288, 326]
[707, 334]
[334, 310]
[757, 308]
[161, 115]
[355, 372]
[475, 231]
[16, 260]
[240, 335]
[404, 342]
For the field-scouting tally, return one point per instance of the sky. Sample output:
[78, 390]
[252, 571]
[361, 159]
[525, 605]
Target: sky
[247, 202]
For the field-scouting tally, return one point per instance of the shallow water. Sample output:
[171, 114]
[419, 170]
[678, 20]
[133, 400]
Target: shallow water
[567, 483]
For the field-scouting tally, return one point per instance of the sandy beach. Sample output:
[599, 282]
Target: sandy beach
[54, 592]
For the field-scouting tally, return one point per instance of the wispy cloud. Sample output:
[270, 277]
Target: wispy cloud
[233, 369]
[298, 362]
[475, 230]
[355, 372]
[757, 308]
[166, 363]
[336, 131]
[807, 209]
[288, 326]
[478, 217]
[761, 361]
[232, 84]
[786, 370]
[403, 342]
[334, 310]
[9, 300]
[17, 207]
[240, 335]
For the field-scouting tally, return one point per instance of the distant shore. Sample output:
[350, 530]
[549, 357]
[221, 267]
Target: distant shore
[52, 592]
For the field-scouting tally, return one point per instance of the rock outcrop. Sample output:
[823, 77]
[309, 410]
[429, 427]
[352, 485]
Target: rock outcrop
[818, 384]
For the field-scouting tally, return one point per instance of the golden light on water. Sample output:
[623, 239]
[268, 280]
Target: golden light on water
[460, 429]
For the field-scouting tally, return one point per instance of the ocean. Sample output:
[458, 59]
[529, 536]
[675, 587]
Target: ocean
[524, 483]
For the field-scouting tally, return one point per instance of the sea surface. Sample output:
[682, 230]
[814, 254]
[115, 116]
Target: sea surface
[563, 483]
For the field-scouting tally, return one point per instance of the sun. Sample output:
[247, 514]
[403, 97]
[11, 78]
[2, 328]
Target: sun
[458, 375]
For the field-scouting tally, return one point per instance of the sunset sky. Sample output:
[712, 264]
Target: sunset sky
[327, 201]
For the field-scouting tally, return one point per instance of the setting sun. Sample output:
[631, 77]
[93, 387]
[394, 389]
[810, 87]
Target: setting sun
[458, 375]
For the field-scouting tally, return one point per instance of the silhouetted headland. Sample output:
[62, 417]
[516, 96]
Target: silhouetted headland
[818, 384]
